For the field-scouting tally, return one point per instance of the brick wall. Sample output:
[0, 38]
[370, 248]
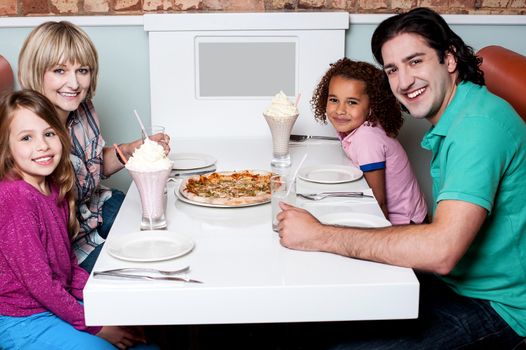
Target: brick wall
[137, 7]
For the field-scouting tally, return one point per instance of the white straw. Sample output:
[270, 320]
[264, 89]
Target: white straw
[140, 123]
[293, 180]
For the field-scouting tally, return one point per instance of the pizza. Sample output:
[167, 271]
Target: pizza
[229, 188]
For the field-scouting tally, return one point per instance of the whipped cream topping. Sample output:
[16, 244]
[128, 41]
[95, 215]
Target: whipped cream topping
[281, 107]
[149, 157]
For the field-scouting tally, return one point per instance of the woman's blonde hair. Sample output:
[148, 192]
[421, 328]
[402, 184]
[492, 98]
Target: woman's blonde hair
[63, 176]
[51, 44]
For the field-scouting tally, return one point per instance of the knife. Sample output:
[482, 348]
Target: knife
[323, 195]
[181, 270]
[301, 138]
[190, 173]
[344, 193]
[143, 277]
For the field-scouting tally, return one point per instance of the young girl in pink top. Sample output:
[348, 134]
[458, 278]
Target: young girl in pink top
[41, 284]
[356, 99]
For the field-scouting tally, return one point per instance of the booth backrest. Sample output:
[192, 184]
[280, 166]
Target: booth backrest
[505, 75]
[6, 75]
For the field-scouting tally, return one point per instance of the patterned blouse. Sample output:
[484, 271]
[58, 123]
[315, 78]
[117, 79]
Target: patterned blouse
[86, 157]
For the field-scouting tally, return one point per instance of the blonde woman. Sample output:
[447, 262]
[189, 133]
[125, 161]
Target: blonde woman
[59, 60]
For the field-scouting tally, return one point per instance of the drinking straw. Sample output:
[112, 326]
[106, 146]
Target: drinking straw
[293, 179]
[120, 153]
[297, 100]
[140, 123]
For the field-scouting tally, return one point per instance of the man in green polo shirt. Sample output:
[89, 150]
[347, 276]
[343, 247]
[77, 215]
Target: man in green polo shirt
[471, 260]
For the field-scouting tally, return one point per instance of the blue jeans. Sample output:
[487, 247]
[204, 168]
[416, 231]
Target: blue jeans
[109, 212]
[446, 321]
[46, 331]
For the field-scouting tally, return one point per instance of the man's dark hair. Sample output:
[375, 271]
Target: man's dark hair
[438, 35]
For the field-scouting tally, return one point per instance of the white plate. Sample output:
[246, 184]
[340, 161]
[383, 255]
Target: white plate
[150, 246]
[182, 198]
[187, 161]
[330, 174]
[354, 219]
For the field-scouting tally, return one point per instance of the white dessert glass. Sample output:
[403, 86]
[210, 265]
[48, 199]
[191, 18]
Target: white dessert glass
[280, 128]
[152, 190]
[282, 189]
[150, 168]
[152, 130]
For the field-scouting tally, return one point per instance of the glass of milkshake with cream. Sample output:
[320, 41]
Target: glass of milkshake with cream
[281, 116]
[150, 168]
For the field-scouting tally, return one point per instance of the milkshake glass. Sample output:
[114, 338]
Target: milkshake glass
[280, 128]
[150, 131]
[152, 188]
[150, 168]
[281, 116]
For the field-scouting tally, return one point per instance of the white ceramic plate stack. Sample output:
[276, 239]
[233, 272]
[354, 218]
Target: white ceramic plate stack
[192, 161]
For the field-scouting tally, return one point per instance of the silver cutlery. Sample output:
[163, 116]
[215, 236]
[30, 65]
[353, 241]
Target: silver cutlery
[143, 277]
[190, 173]
[144, 269]
[301, 138]
[322, 195]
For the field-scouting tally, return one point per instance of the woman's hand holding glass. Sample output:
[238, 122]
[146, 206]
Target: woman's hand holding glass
[161, 138]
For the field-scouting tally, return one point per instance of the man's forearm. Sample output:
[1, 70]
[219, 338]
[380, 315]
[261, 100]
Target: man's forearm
[435, 247]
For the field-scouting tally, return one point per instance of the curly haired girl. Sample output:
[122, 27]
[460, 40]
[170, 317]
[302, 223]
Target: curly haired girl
[356, 99]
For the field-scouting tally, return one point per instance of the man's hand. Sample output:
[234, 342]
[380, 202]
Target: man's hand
[298, 229]
[122, 337]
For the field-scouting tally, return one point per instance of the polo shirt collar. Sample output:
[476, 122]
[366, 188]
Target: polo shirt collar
[346, 138]
[436, 132]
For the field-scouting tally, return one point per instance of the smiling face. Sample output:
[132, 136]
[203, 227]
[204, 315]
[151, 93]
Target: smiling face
[66, 86]
[347, 104]
[34, 146]
[417, 78]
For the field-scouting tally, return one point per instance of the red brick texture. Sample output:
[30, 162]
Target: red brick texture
[136, 7]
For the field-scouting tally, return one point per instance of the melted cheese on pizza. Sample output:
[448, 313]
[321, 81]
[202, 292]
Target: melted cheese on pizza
[235, 185]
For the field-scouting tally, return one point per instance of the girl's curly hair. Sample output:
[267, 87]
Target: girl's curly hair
[385, 109]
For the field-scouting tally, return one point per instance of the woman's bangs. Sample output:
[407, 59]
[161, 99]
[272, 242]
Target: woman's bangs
[67, 51]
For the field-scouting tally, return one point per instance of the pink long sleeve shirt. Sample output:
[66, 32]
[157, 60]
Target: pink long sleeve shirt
[38, 270]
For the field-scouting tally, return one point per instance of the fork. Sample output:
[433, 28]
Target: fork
[322, 195]
[144, 269]
[144, 277]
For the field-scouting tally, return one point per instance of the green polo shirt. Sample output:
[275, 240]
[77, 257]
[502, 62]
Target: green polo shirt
[479, 156]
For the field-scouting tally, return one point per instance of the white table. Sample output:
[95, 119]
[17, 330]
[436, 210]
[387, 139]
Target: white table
[248, 276]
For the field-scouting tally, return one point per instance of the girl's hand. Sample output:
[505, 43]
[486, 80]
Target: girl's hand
[122, 337]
